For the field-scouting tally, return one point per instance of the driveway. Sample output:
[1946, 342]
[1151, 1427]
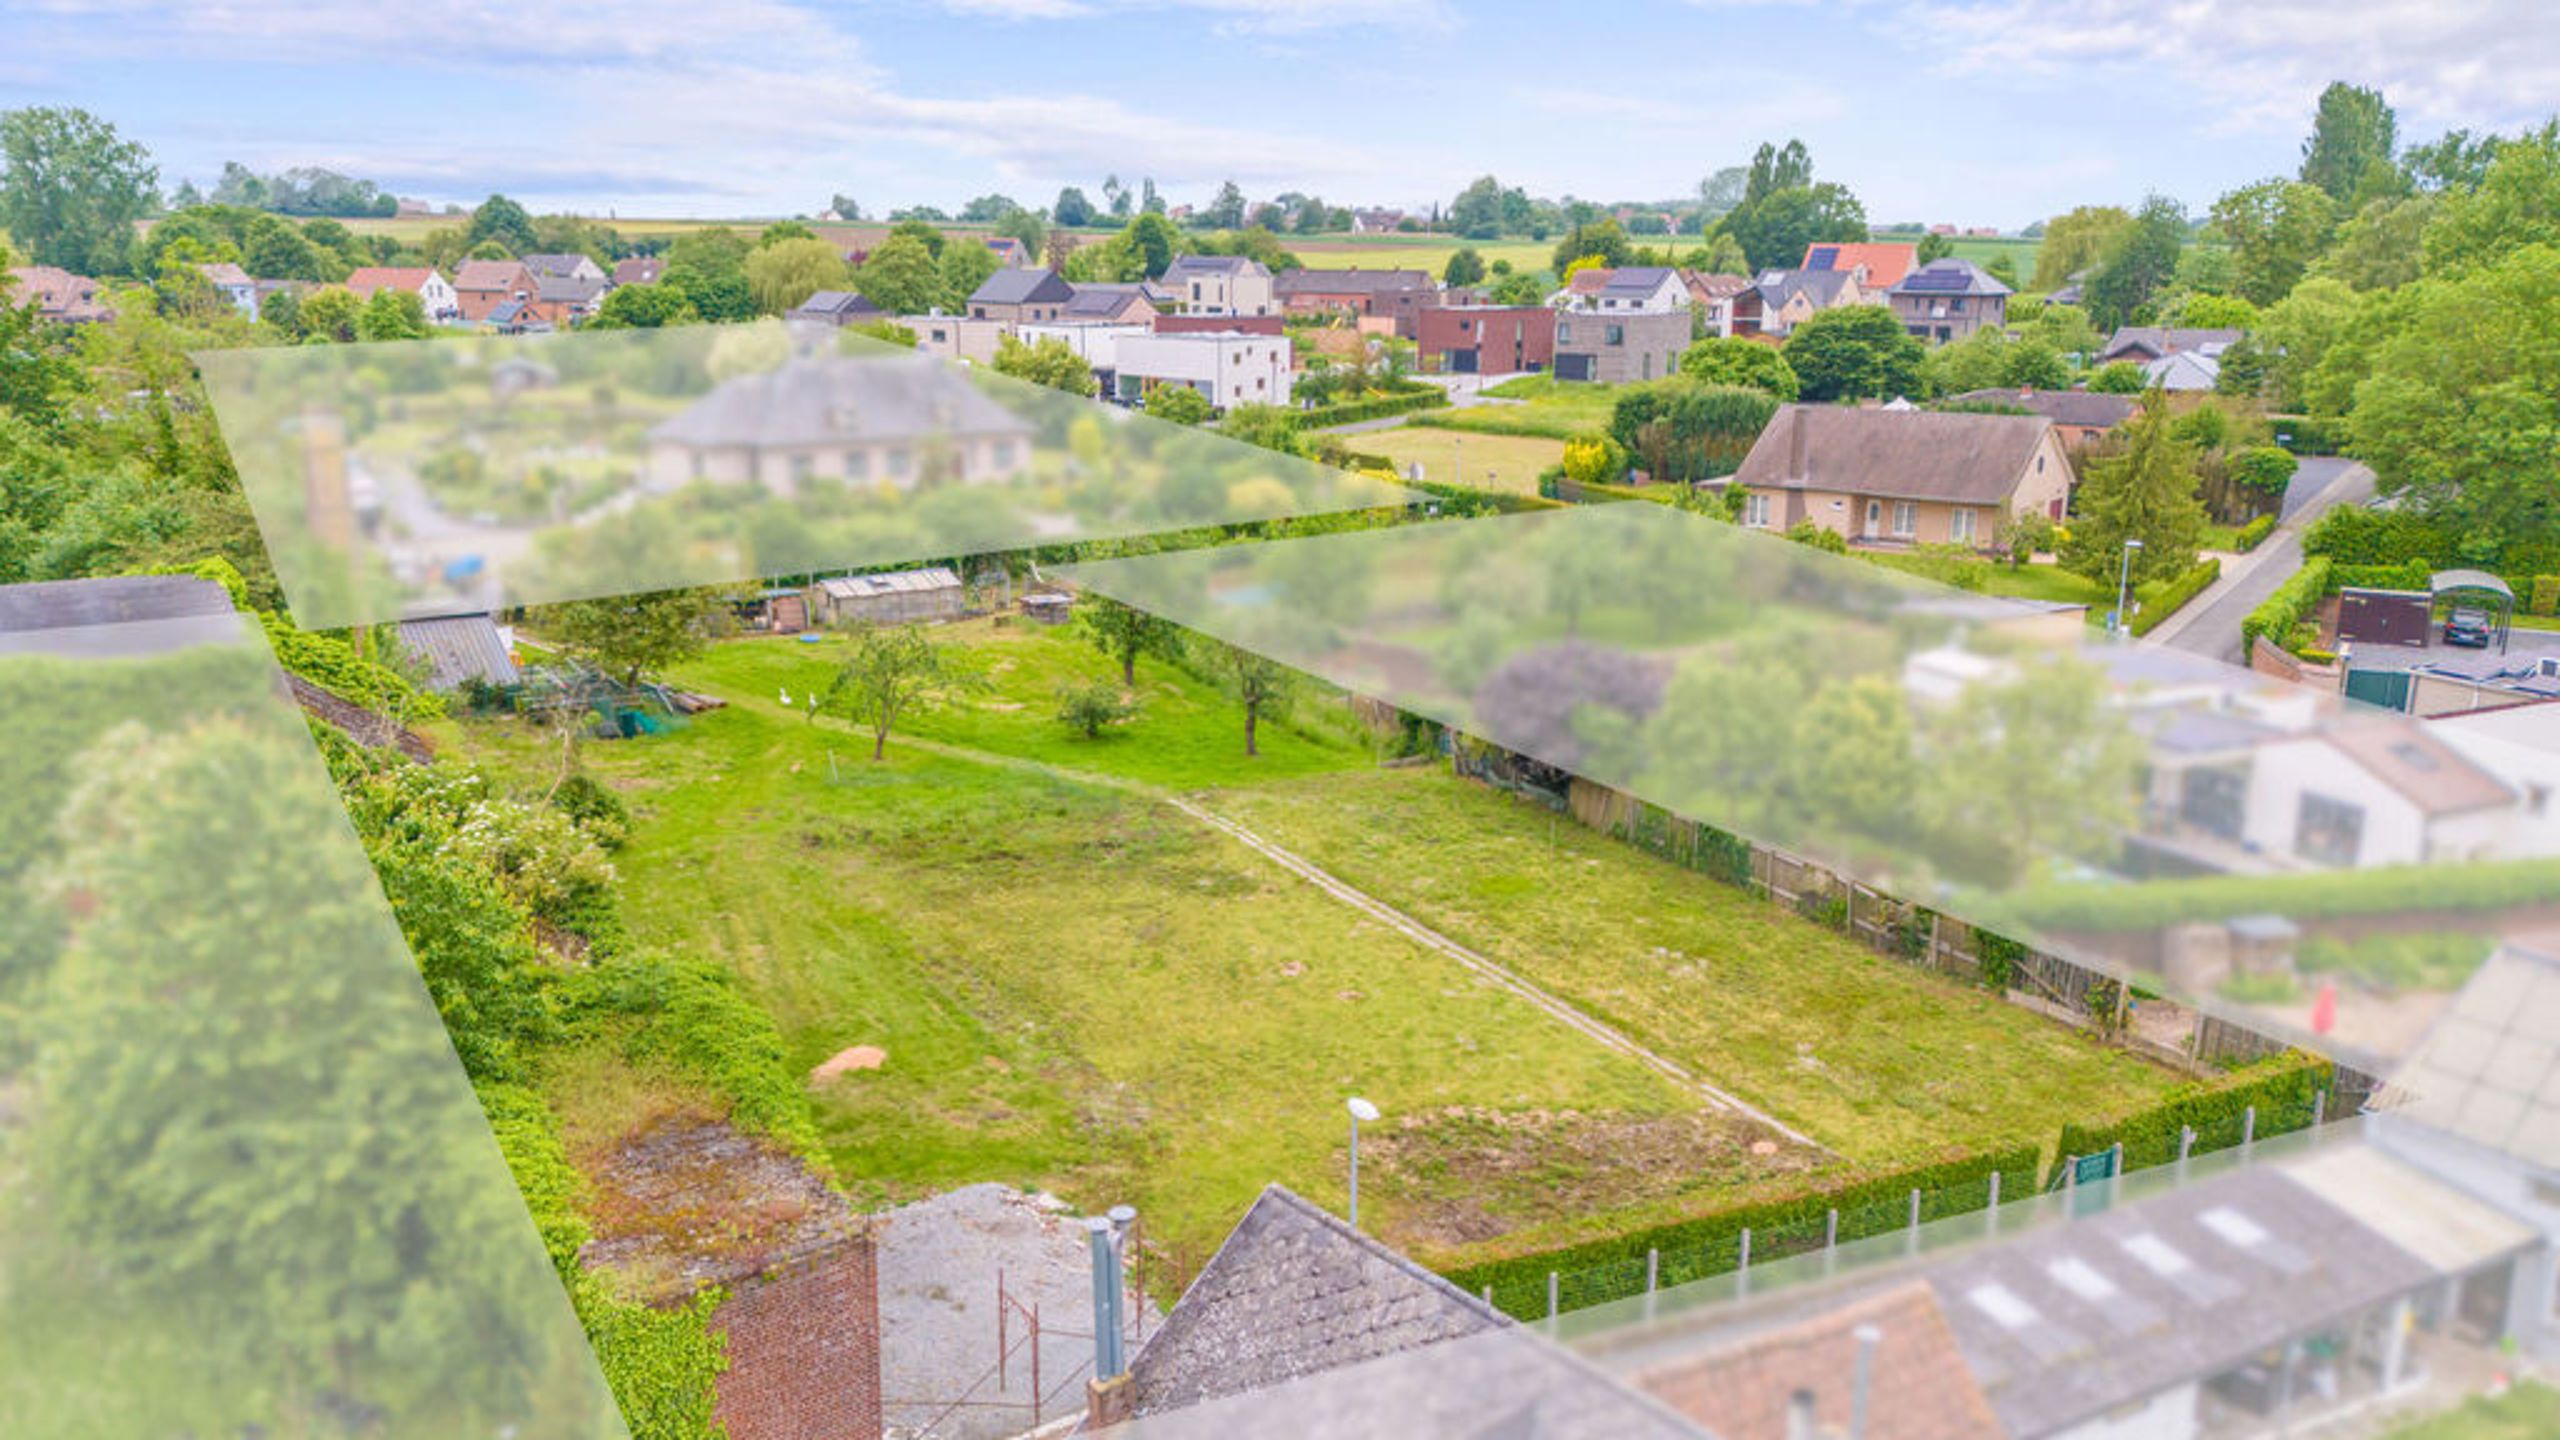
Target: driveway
[2210, 623]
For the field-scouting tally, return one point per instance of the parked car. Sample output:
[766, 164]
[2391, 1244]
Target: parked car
[2467, 628]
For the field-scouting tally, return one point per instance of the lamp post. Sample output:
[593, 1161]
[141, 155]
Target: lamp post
[1360, 1110]
[2124, 573]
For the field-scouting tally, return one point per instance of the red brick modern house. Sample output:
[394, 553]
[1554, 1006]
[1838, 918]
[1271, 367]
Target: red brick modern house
[1486, 339]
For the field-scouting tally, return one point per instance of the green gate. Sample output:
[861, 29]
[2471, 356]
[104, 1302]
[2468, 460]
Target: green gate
[2389, 689]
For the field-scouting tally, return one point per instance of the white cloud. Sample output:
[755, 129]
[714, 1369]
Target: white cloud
[1259, 17]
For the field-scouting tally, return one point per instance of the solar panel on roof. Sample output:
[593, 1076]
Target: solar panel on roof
[1823, 257]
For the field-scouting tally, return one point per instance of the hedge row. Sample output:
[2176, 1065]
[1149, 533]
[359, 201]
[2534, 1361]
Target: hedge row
[1486, 420]
[1352, 412]
[2425, 889]
[1708, 1245]
[2172, 595]
[2284, 1090]
[2253, 534]
[2309, 434]
[2408, 575]
[2277, 616]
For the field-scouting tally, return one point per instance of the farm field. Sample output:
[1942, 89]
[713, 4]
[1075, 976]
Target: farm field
[1025, 924]
[1508, 464]
[1412, 252]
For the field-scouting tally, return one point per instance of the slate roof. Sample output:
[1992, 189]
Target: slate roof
[1822, 287]
[546, 265]
[1961, 458]
[565, 289]
[1101, 302]
[1292, 1293]
[2159, 340]
[2488, 1070]
[831, 400]
[1921, 1388]
[1952, 275]
[840, 307]
[124, 614]
[1023, 287]
[2087, 408]
[1886, 261]
[1352, 281]
[1635, 282]
[460, 648]
[1185, 266]
[2182, 370]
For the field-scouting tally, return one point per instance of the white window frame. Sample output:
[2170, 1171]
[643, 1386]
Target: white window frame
[1906, 519]
[1960, 525]
[1755, 511]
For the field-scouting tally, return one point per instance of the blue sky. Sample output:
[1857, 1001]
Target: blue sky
[1974, 112]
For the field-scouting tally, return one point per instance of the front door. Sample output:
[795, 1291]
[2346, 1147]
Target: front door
[1875, 519]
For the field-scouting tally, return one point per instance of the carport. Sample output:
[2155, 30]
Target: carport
[2480, 586]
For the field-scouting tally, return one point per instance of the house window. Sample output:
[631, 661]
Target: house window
[1755, 511]
[1960, 526]
[2215, 801]
[1617, 335]
[900, 463]
[1906, 519]
[2329, 831]
[1564, 332]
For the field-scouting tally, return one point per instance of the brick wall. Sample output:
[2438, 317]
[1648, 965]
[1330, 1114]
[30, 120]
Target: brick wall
[804, 1350]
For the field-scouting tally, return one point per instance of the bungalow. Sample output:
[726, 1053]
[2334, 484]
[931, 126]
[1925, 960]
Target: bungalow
[1399, 295]
[1879, 265]
[1108, 304]
[836, 307]
[1230, 367]
[2079, 416]
[2143, 344]
[1221, 285]
[1615, 347]
[577, 267]
[234, 285]
[1948, 300]
[639, 270]
[1711, 300]
[435, 293]
[481, 286]
[1016, 296]
[1780, 300]
[1627, 290]
[897, 420]
[1902, 477]
[57, 294]
[1486, 339]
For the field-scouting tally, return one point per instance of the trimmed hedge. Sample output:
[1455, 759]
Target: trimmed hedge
[2409, 575]
[1352, 412]
[2309, 434]
[1708, 1245]
[2290, 605]
[2545, 596]
[2285, 1090]
[2172, 595]
[2423, 889]
[2253, 534]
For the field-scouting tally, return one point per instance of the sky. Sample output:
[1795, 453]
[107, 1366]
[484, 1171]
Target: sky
[1968, 112]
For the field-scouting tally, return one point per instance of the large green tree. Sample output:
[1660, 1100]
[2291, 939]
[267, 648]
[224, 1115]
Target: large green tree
[2077, 241]
[1855, 352]
[788, 271]
[894, 672]
[2353, 137]
[71, 188]
[1735, 360]
[2516, 204]
[2276, 229]
[628, 636]
[1774, 229]
[2139, 261]
[2147, 493]
[901, 277]
[501, 221]
[1049, 361]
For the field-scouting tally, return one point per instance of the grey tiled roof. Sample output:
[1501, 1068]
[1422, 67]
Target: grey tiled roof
[2063, 407]
[1963, 458]
[460, 648]
[1211, 265]
[125, 614]
[1821, 286]
[1354, 281]
[1102, 301]
[1022, 287]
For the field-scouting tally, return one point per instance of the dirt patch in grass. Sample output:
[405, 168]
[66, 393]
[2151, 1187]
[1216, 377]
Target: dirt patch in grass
[1467, 1174]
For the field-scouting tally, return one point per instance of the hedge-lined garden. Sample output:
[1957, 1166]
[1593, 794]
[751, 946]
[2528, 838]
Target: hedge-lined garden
[1375, 407]
[2281, 616]
[2285, 1091]
[2165, 598]
[2434, 889]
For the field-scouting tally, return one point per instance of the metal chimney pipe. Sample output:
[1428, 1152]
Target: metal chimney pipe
[1862, 1389]
[1104, 1241]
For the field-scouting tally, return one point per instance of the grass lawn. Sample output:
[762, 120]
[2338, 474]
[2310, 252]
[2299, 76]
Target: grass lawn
[2530, 1411]
[1505, 463]
[1412, 252]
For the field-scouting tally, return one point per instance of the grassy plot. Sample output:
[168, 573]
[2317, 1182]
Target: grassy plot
[1503, 464]
[1078, 987]
[1885, 1064]
[2530, 1411]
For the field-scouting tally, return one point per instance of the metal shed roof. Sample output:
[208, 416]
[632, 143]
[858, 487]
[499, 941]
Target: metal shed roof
[459, 649]
[893, 582]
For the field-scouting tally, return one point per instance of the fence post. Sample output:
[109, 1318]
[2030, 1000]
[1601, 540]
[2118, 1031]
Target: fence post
[1991, 1207]
[1913, 1231]
[1551, 1302]
[2070, 1185]
[1831, 1240]
[2248, 1129]
[2186, 1147]
[1488, 1297]
[2319, 1109]
[2115, 1172]
[1652, 1278]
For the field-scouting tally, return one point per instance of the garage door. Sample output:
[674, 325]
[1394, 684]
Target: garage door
[1574, 367]
[1462, 362]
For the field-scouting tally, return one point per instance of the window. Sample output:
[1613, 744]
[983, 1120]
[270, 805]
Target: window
[1617, 335]
[1960, 526]
[1755, 511]
[1564, 332]
[2329, 831]
[799, 469]
[900, 462]
[1906, 519]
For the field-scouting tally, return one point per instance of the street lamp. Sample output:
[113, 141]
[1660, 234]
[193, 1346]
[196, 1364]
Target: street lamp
[1360, 1110]
[2124, 573]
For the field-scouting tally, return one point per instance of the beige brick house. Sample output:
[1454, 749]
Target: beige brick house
[1902, 477]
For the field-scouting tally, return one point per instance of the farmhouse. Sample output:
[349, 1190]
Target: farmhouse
[1883, 477]
[895, 420]
[1229, 367]
[1221, 285]
[1016, 296]
[1397, 295]
[1486, 339]
[1948, 300]
[435, 293]
[897, 597]
[1615, 347]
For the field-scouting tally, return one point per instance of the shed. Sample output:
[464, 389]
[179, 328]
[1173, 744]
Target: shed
[896, 597]
[460, 649]
[1048, 607]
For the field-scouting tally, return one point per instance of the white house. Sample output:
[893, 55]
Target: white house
[435, 293]
[2384, 792]
[1627, 290]
[1097, 343]
[1220, 285]
[1230, 367]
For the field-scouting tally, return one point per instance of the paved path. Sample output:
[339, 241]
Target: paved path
[2209, 625]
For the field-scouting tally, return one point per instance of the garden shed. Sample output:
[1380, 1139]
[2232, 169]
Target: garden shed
[896, 597]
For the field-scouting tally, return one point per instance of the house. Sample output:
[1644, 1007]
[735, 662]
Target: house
[1486, 339]
[639, 270]
[1909, 478]
[1109, 304]
[1879, 265]
[518, 317]
[561, 300]
[2143, 344]
[234, 285]
[1230, 367]
[896, 597]
[57, 294]
[435, 293]
[1399, 295]
[1096, 342]
[1780, 300]
[481, 286]
[1802, 1378]
[1614, 347]
[957, 338]
[460, 650]
[836, 307]
[2080, 416]
[1016, 296]
[575, 267]
[795, 1268]
[1948, 299]
[1177, 323]
[1711, 300]
[1375, 222]
[1627, 290]
[896, 420]
[1220, 285]
[2378, 792]
[1011, 252]
[2185, 370]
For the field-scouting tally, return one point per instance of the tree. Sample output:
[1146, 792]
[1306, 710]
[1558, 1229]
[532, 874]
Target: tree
[1722, 191]
[2148, 493]
[643, 307]
[1071, 208]
[1050, 361]
[894, 671]
[923, 232]
[1774, 229]
[2516, 204]
[71, 188]
[1603, 241]
[1154, 241]
[1518, 288]
[900, 277]
[626, 636]
[987, 209]
[781, 230]
[1178, 403]
[2353, 133]
[1116, 196]
[1086, 707]
[1465, 267]
[1224, 213]
[2216, 312]
[2077, 241]
[2003, 269]
[2276, 229]
[1775, 168]
[1125, 632]
[845, 206]
[1855, 352]
[391, 313]
[1261, 685]
[2380, 247]
[2138, 261]
[1933, 246]
[1734, 360]
[2117, 377]
[961, 270]
[501, 221]
[1477, 213]
[786, 272]
[331, 315]
[709, 268]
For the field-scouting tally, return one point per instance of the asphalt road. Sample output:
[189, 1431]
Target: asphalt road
[2212, 626]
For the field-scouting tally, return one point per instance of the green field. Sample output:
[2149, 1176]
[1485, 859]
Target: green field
[1507, 464]
[1081, 988]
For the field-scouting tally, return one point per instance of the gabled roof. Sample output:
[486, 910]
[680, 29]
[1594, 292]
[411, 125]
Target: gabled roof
[1819, 287]
[57, 293]
[833, 400]
[639, 270]
[836, 305]
[2183, 370]
[1886, 261]
[2424, 770]
[890, 582]
[460, 648]
[1964, 459]
[1950, 276]
[2087, 408]
[1186, 266]
[1353, 281]
[1103, 302]
[504, 276]
[1292, 1293]
[564, 289]
[558, 264]
[1921, 1389]
[1637, 281]
[2158, 340]
[366, 279]
[1023, 287]
[224, 273]
[1715, 287]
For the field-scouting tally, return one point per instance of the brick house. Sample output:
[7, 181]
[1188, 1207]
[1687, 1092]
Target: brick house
[57, 294]
[1399, 295]
[1711, 300]
[1948, 300]
[1017, 296]
[1617, 347]
[1486, 339]
[1902, 477]
[481, 286]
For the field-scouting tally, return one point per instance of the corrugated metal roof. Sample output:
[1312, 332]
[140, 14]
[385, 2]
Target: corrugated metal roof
[460, 648]
[892, 582]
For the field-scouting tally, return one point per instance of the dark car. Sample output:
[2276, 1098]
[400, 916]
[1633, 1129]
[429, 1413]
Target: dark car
[2467, 627]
